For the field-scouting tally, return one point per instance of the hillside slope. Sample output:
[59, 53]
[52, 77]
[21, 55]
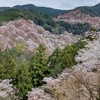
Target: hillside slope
[77, 16]
[80, 83]
[49, 11]
[30, 35]
[83, 14]
[89, 57]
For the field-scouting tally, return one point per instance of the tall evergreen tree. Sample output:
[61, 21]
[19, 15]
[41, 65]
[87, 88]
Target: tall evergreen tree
[2, 72]
[10, 66]
[23, 80]
[38, 66]
[53, 59]
[54, 62]
[68, 55]
[1, 55]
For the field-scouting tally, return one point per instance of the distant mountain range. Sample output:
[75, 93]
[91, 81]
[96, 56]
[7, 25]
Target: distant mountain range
[50, 11]
[76, 21]
[90, 15]
[92, 10]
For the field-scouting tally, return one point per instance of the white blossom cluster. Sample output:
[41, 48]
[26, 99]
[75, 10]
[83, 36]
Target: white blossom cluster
[89, 57]
[71, 85]
[7, 90]
[38, 94]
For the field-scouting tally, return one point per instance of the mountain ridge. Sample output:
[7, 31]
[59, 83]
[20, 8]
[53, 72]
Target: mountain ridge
[47, 10]
[83, 14]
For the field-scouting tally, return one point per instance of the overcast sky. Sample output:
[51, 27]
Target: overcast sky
[58, 4]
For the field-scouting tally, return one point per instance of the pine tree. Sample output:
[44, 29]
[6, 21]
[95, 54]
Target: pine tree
[38, 66]
[2, 72]
[23, 80]
[68, 55]
[54, 62]
[0, 56]
[53, 59]
[10, 66]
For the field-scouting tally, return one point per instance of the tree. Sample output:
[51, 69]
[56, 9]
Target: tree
[9, 65]
[38, 67]
[53, 59]
[68, 54]
[54, 62]
[2, 72]
[23, 80]
[77, 85]
[1, 53]
[86, 85]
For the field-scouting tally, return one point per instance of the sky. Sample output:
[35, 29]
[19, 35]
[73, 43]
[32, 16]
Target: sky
[57, 4]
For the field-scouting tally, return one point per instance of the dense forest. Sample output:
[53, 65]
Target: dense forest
[27, 70]
[93, 10]
[43, 20]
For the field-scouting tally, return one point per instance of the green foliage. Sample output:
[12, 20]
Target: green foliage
[78, 28]
[93, 11]
[19, 48]
[59, 29]
[54, 62]
[90, 38]
[93, 29]
[2, 72]
[38, 66]
[61, 59]
[9, 15]
[49, 11]
[10, 66]
[43, 20]
[38, 17]
[24, 75]
[23, 80]
[47, 27]
[80, 44]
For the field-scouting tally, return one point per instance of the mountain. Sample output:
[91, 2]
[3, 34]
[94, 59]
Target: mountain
[93, 10]
[38, 17]
[82, 80]
[84, 14]
[43, 20]
[76, 21]
[4, 8]
[30, 35]
[49, 11]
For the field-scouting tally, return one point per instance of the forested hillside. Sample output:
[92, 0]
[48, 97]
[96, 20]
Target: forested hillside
[46, 58]
[43, 20]
[49, 11]
[93, 11]
[28, 70]
[61, 70]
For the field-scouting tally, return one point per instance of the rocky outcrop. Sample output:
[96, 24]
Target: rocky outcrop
[31, 35]
[76, 16]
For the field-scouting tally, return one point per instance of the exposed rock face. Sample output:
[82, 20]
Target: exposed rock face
[31, 35]
[76, 16]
